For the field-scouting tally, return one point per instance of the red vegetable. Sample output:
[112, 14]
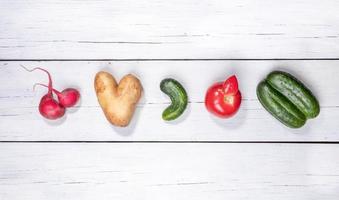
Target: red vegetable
[223, 99]
[48, 106]
[68, 97]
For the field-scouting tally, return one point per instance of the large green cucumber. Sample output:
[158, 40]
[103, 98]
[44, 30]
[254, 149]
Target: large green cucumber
[287, 99]
[279, 106]
[178, 96]
[296, 92]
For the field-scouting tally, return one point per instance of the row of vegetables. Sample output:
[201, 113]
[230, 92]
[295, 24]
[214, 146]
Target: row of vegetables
[280, 93]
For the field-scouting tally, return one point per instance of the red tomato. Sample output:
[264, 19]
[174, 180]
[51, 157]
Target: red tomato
[223, 99]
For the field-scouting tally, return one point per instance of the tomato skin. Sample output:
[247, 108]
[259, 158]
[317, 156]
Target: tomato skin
[223, 99]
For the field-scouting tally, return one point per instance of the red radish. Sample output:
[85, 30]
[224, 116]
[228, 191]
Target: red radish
[48, 106]
[68, 97]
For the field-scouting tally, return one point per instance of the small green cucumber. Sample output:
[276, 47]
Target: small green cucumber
[178, 97]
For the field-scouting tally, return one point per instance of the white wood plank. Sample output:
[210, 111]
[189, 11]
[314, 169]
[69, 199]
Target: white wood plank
[19, 118]
[38, 29]
[169, 171]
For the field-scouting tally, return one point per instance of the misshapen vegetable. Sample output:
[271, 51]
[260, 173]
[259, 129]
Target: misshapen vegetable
[223, 99]
[287, 99]
[118, 101]
[178, 97]
[68, 97]
[48, 106]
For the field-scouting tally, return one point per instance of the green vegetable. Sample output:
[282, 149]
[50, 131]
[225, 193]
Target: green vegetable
[287, 99]
[178, 97]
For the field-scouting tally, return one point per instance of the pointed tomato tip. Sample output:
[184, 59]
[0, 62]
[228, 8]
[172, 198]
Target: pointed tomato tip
[231, 85]
[233, 78]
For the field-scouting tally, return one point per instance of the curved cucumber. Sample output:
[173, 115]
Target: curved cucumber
[178, 97]
[295, 92]
[287, 99]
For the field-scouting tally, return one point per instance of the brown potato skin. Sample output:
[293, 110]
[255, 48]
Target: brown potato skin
[118, 101]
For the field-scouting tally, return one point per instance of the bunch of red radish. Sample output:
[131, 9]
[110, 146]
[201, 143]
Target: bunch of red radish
[49, 107]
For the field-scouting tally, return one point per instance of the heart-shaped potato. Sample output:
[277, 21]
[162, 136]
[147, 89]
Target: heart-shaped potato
[118, 101]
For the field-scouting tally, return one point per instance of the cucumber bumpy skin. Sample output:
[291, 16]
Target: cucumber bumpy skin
[279, 106]
[296, 92]
[178, 97]
[287, 99]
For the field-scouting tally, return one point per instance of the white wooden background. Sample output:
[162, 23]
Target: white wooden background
[251, 156]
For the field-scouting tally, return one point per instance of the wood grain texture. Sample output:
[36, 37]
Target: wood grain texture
[38, 29]
[167, 29]
[169, 171]
[20, 120]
